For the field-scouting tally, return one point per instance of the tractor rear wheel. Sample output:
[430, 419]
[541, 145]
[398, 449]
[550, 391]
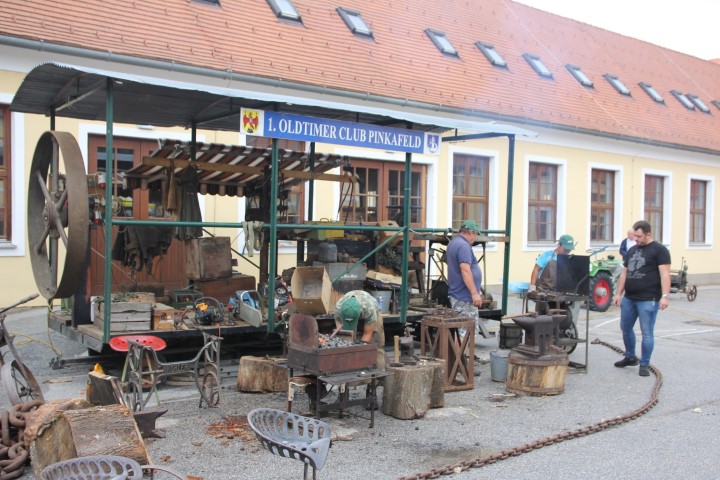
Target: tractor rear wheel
[601, 292]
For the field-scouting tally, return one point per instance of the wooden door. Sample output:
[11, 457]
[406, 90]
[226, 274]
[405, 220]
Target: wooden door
[168, 270]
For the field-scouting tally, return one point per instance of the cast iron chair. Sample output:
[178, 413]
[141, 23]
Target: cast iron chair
[293, 436]
[101, 467]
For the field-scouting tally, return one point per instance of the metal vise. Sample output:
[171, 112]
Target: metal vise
[541, 334]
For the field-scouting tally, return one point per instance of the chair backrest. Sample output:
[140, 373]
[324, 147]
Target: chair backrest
[293, 436]
[101, 467]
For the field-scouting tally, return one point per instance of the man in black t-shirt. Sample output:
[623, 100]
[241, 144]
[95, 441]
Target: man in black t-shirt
[646, 283]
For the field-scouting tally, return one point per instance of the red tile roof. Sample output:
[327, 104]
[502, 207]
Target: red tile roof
[401, 62]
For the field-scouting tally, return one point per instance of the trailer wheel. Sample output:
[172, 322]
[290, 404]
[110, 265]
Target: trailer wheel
[601, 292]
[58, 215]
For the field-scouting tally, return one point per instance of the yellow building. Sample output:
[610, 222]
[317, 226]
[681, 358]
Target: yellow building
[625, 130]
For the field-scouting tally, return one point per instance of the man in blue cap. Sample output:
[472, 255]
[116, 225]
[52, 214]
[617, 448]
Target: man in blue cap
[464, 275]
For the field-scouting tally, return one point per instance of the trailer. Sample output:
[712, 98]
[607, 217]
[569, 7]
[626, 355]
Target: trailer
[71, 204]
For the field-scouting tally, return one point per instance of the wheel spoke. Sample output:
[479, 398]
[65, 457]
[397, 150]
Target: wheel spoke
[61, 231]
[43, 188]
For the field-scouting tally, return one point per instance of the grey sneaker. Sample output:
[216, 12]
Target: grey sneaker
[644, 371]
[627, 362]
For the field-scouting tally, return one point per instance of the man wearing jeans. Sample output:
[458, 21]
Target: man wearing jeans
[646, 283]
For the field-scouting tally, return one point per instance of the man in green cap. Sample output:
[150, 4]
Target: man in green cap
[356, 305]
[464, 275]
[544, 274]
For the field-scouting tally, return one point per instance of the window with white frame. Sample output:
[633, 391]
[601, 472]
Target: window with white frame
[542, 202]
[602, 201]
[698, 211]
[5, 173]
[654, 204]
[471, 189]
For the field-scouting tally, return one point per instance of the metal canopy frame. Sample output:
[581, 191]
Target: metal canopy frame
[70, 91]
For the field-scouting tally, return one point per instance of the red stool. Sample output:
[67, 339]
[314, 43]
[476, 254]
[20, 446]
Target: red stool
[120, 344]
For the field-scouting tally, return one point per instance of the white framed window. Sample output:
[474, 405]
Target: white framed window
[701, 199]
[605, 204]
[656, 203]
[479, 193]
[545, 201]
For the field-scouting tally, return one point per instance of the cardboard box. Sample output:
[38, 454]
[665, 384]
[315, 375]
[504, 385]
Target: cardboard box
[163, 317]
[311, 290]
[384, 277]
[208, 258]
[385, 234]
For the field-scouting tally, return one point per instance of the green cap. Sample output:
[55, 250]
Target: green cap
[471, 225]
[567, 242]
[350, 313]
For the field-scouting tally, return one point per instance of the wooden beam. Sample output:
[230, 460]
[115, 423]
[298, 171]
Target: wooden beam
[223, 167]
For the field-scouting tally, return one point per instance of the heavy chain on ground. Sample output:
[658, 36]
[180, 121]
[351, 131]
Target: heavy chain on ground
[451, 469]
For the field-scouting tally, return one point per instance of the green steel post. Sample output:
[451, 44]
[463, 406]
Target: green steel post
[109, 171]
[273, 235]
[406, 238]
[508, 220]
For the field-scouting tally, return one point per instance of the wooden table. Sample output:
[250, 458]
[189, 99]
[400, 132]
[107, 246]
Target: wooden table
[441, 337]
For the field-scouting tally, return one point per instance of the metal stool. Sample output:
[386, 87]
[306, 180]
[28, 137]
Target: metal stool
[292, 436]
[100, 467]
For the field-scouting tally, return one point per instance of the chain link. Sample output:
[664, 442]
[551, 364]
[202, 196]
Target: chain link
[13, 455]
[552, 439]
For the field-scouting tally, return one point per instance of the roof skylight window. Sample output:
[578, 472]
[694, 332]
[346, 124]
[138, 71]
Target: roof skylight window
[698, 103]
[683, 99]
[617, 84]
[284, 9]
[716, 103]
[652, 92]
[441, 42]
[537, 65]
[355, 22]
[579, 75]
[209, 2]
[491, 54]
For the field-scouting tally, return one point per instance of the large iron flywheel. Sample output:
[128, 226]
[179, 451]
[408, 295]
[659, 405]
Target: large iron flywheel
[58, 215]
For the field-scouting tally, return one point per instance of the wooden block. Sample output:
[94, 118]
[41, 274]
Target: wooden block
[105, 430]
[262, 374]
[406, 393]
[208, 258]
[125, 316]
[163, 317]
[384, 277]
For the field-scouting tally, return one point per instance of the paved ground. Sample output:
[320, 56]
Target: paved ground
[676, 439]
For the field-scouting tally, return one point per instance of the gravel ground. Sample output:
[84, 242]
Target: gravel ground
[676, 439]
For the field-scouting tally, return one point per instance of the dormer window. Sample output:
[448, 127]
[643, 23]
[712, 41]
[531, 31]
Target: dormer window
[285, 10]
[683, 99]
[698, 103]
[617, 84]
[355, 22]
[441, 42]
[537, 65]
[491, 54]
[579, 75]
[652, 93]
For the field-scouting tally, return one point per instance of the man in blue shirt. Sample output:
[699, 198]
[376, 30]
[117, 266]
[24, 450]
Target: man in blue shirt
[544, 274]
[464, 275]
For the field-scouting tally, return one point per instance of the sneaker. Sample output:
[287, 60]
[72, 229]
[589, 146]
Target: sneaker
[627, 362]
[644, 371]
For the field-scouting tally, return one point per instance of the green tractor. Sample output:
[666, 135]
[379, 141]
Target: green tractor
[604, 273]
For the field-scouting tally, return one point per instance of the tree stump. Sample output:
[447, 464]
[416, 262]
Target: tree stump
[106, 430]
[44, 414]
[437, 390]
[406, 393]
[262, 374]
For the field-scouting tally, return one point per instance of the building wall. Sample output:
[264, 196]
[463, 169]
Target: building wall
[575, 154]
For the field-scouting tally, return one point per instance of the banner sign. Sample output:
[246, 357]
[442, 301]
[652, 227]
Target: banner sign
[313, 129]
